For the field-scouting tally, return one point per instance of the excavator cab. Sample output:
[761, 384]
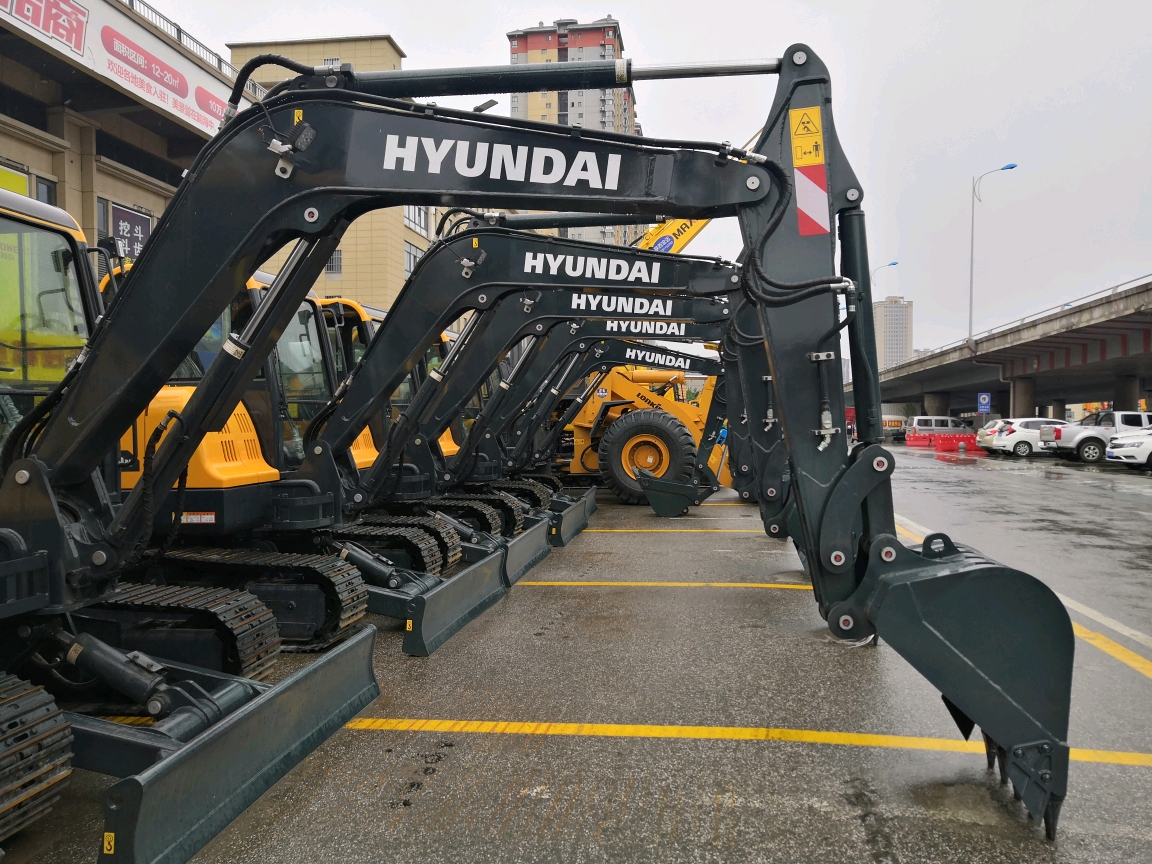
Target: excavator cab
[45, 307]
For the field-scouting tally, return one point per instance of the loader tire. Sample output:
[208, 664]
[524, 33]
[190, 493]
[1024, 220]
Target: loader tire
[649, 439]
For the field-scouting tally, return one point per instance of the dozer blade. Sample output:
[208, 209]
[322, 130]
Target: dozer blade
[434, 616]
[670, 498]
[526, 549]
[570, 514]
[996, 642]
[168, 811]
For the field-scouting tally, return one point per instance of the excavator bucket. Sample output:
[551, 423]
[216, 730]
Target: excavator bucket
[670, 497]
[571, 511]
[166, 811]
[999, 646]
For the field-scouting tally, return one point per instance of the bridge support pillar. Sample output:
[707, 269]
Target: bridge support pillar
[1023, 398]
[1001, 403]
[936, 404]
[1059, 407]
[1126, 393]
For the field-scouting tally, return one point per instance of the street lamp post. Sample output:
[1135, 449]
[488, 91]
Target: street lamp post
[972, 245]
[881, 267]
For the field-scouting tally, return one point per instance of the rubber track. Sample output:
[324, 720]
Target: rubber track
[337, 578]
[485, 512]
[447, 537]
[502, 501]
[420, 544]
[251, 624]
[537, 494]
[549, 480]
[35, 753]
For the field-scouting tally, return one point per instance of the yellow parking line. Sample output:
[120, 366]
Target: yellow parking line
[638, 584]
[717, 733]
[1097, 640]
[904, 532]
[674, 531]
[1115, 649]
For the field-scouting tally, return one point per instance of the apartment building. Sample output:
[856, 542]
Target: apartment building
[893, 320]
[568, 41]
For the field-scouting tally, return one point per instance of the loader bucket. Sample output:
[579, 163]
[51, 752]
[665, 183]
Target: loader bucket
[168, 811]
[435, 616]
[570, 514]
[997, 643]
[526, 549]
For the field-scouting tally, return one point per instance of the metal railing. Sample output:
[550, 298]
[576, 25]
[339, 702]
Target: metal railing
[254, 90]
[1000, 328]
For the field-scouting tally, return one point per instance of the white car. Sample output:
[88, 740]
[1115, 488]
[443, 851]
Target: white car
[987, 432]
[1021, 436]
[1133, 449]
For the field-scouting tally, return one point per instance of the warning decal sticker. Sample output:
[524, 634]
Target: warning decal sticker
[811, 177]
[807, 136]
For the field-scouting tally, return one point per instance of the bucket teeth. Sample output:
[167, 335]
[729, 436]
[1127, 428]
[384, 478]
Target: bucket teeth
[989, 750]
[1051, 817]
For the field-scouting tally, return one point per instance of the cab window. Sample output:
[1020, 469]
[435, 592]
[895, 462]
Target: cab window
[924, 423]
[42, 321]
[299, 364]
[1106, 419]
[940, 424]
[361, 339]
[1130, 419]
[232, 320]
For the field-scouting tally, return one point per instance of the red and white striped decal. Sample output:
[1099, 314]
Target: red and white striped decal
[812, 199]
[811, 175]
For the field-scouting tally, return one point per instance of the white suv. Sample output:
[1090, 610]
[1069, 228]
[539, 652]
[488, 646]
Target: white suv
[1021, 436]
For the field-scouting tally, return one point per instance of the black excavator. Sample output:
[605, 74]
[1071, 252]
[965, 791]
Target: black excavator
[507, 437]
[410, 470]
[996, 641]
[68, 534]
[954, 615]
[88, 659]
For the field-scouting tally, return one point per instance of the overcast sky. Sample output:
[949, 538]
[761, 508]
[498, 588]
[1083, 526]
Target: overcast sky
[926, 94]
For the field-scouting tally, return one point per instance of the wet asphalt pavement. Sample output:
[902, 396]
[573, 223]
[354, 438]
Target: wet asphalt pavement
[719, 657]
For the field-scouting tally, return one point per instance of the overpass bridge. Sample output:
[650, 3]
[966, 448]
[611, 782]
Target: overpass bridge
[1097, 348]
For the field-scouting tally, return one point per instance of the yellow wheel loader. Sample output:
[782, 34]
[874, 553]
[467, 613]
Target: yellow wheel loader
[641, 418]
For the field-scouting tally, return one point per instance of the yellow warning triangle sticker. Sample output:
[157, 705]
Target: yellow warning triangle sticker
[806, 125]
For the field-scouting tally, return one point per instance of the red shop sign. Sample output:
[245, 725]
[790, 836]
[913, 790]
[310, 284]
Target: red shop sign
[127, 51]
[210, 103]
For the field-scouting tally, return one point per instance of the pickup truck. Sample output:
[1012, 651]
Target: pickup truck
[1087, 440]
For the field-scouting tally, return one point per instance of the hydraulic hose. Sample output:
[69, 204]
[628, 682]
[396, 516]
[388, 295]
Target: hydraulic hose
[255, 63]
[786, 293]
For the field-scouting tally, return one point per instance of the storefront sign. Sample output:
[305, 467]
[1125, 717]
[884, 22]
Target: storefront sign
[102, 36]
[131, 230]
